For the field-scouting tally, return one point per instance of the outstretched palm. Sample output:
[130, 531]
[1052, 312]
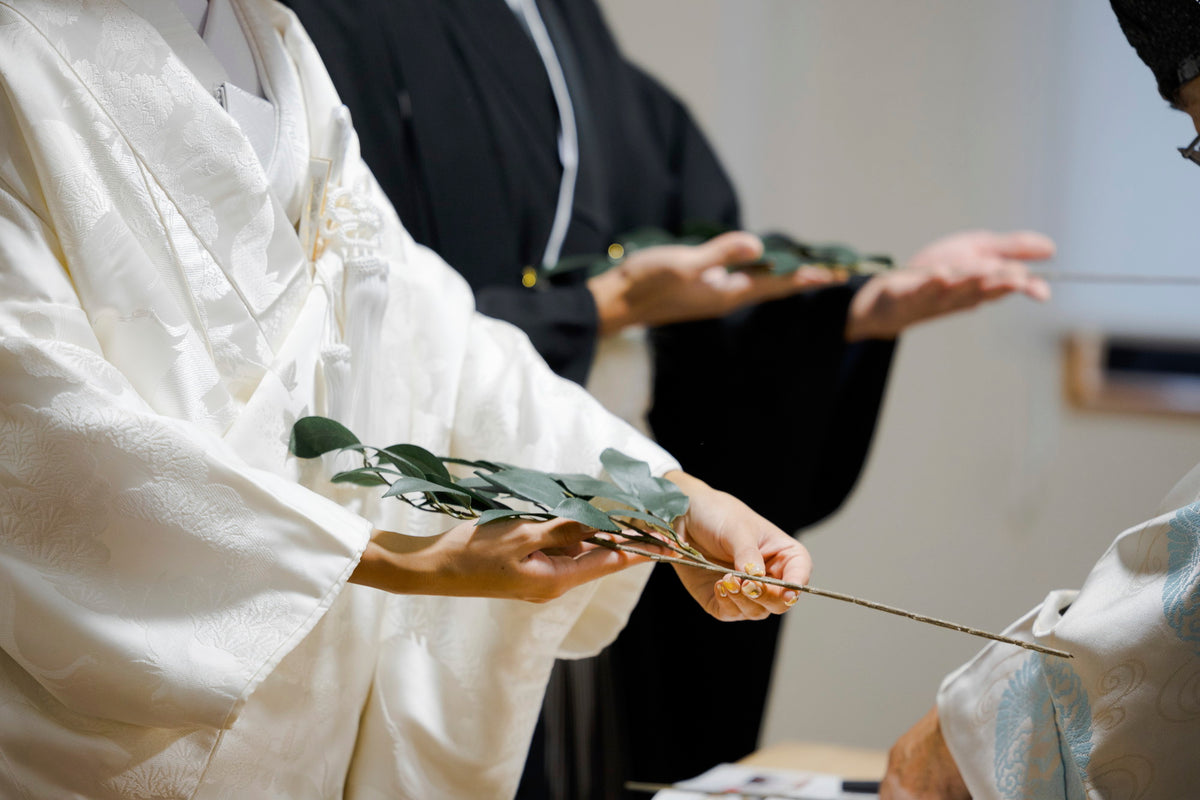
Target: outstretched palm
[954, 273]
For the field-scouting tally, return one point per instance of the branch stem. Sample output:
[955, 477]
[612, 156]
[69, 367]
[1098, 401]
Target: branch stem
[687, 556]
[846, 598]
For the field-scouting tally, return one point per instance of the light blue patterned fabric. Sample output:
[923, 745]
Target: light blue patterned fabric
[1043, 733]
[1119, 720]
[1181, 592]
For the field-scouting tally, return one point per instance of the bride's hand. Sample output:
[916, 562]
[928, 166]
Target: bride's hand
[729, 533]
[534, 561]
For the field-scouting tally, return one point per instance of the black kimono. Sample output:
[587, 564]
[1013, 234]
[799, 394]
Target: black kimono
[457, 119]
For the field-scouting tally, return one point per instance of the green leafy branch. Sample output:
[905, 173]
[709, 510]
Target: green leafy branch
[636, 506]
[782, 255]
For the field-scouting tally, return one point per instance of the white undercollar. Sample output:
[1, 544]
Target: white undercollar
[217, 23]
[196, 11]
[177, 31]
[234, 34]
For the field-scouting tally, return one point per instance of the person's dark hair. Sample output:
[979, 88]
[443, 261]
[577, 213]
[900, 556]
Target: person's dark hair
[1166, 34]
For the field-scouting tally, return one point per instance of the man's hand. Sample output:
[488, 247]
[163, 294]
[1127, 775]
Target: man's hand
[920, 766]
[534, 561]
[676, 283]
[727, 532]
[954, 273]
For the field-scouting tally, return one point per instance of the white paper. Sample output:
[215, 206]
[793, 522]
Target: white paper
[738, 779]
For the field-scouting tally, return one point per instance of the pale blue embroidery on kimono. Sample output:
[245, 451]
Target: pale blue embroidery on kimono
[1181, 591]
[1043, 733]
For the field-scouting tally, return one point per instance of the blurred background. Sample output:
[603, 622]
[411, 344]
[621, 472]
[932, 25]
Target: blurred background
[884, 125]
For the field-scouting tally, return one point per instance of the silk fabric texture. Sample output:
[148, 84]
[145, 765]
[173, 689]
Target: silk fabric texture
[1120, 720]
[176, 618]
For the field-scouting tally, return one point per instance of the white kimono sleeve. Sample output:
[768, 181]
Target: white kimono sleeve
[555, 407]
[508, 406]
[147, 575]
[1120, 719]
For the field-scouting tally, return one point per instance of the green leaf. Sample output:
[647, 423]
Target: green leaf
[497, 514]
[783, 262]
[778, 241]
[316, 436]
[588, 487]
[644, 516]
[430, 464]
[405, 466]
[490, 466]
[583, 511]
[668, 502]
[482, 493]
[484, 498]
[478, 484]
[628, 473]
[657, 495]
[410, 485]
[363, 476]
[527, 484]
[838, 254]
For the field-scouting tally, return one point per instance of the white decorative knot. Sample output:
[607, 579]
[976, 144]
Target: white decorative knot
[351, 223]
[335, 354]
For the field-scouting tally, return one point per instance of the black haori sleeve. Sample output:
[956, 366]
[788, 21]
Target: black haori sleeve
[772, 391]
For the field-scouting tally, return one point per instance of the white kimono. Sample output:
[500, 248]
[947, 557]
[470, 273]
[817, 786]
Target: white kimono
[1121, 720]
[174, 615]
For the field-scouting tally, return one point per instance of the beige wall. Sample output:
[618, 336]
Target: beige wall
[885, 124]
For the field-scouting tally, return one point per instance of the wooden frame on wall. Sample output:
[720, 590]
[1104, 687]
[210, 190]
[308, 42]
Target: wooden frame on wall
[1131, 375]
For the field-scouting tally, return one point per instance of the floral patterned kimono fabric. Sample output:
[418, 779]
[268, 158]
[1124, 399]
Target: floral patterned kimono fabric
[175, 618]
[1121, 720]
